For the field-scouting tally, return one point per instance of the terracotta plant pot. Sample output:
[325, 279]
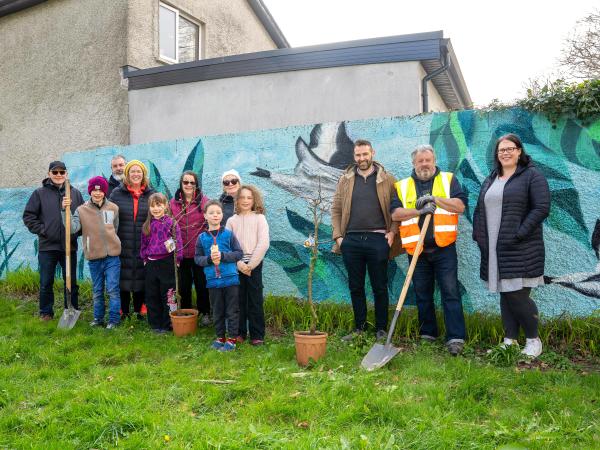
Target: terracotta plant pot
[309, 346]
[185, 321]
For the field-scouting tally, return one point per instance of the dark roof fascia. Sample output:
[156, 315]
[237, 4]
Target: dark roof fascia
[12, 6]
[263, 14]
[286, 62]
[373, 42]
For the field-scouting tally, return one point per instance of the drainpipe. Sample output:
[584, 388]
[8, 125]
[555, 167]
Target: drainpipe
[445, 66]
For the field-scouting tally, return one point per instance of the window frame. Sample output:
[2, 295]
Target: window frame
[187, 17]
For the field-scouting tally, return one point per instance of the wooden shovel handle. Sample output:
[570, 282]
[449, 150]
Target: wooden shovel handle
[408, 278]
[413, 262]
[68, 237]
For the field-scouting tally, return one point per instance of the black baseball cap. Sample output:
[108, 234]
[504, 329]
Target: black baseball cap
[57, 165]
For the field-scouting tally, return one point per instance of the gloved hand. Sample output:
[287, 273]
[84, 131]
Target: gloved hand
[429, 208]
[422, 201]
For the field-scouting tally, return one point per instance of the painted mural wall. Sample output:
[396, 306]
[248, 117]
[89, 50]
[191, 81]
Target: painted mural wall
[287, 163]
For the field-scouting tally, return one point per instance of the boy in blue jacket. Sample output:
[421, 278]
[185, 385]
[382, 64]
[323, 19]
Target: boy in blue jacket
[218, 251]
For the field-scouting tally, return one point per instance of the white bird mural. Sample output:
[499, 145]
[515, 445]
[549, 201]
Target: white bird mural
[324, 159]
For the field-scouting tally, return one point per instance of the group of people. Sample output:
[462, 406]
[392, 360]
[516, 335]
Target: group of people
[137, 242]
[375, 218]
[133, 238]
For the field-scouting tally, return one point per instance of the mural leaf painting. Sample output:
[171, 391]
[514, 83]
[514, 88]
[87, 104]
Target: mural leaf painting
[305, 227]
[157, 181]
[7, 254]
[195, 161]
[565, 210]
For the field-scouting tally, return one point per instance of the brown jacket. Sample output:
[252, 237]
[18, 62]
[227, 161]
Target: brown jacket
[342, 203]
[99, 229]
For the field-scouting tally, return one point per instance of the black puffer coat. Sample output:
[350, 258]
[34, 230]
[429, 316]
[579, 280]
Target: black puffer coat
[130, 233]
[42, 216]
[525, 205]
[228, 203]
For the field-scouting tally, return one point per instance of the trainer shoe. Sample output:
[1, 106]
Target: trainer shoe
[227, 346]
[533, 347]
[381, 336]
[507, 342]
[353, 334]
[257, 342]
[218, 344]
[97, 323]
[46, 317]
[455, 347]
[111, 326]
[427, 338]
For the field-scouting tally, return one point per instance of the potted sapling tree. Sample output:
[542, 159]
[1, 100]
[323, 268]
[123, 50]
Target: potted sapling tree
[312, 344]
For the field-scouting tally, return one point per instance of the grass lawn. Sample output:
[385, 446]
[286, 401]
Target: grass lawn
[91, 388]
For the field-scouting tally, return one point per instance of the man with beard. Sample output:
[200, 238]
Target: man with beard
[364, 234]
[117, 166]
[430, 191]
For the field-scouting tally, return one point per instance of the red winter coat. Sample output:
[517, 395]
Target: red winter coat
[190, 219]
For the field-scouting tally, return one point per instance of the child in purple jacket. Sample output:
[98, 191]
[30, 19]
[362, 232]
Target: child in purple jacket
[157, 247]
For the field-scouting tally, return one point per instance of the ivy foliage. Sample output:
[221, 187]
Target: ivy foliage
[559, 98]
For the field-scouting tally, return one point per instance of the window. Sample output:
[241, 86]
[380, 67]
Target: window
[179, 37]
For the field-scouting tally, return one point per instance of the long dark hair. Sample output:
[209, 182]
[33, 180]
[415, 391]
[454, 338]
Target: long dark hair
[193, 175]
[153, 200]
[523, 157]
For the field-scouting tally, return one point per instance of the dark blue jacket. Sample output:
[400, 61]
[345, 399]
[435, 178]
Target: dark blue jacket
[231, 252]
[42, 216]
[525, 205]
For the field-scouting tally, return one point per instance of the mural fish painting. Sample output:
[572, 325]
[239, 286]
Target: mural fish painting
[586, 283]
[323, 160]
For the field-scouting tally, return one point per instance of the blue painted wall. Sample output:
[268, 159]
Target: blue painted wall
[286, 163]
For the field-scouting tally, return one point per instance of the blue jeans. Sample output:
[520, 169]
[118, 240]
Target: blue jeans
[362, 253]
[106, 272]
[48, 259]
[441, 265]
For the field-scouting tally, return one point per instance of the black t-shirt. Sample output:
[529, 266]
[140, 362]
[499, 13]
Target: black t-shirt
[365, 213]
[425, 188]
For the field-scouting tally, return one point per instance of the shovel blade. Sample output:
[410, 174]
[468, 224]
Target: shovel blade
[378, 356]
[69, 318]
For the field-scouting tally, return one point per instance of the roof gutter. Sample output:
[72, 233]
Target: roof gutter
[263, 14]
[11, 6]
[435, 73]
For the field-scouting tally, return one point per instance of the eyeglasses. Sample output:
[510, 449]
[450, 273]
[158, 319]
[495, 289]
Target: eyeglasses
[186, 182]
[58, 172]
[507, 150]
[230, 182]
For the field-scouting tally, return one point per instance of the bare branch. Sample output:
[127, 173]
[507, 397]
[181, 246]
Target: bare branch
[581, 52]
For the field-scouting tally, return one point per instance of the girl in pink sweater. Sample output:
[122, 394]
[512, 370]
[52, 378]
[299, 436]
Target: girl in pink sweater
[250, 228]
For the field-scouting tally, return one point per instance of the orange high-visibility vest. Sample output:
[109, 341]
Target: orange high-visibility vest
[445, 223]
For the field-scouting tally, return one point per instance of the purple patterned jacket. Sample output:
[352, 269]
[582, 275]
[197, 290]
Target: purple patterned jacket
[153, 246]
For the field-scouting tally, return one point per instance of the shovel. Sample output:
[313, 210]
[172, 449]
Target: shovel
[380, 354]
[70, 315]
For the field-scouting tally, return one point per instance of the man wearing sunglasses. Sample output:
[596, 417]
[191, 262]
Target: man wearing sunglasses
[42, 216]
